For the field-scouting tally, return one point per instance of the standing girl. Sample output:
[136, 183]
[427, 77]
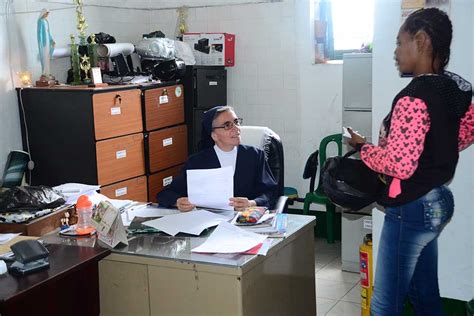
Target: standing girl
[431, 120]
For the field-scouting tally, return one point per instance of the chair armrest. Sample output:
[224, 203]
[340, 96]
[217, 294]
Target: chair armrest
[281, 204]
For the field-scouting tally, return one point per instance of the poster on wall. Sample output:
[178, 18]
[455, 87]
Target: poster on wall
[409, 6]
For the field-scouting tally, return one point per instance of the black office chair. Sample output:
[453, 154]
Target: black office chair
[15, 168]
[268, 141]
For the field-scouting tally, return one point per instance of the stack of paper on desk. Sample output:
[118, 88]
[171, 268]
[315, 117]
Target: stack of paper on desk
[72, 191]
[190, 222]
[228, 238]
[145, 210]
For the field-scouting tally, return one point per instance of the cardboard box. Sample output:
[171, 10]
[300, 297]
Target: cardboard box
[212, 49]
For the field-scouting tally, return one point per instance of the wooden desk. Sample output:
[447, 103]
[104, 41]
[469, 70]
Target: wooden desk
[69, 287]
[159, 275]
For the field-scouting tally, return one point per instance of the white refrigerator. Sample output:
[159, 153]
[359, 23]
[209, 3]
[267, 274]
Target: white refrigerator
[357, 113]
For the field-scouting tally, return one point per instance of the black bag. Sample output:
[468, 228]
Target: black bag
[30, 198]
[349, 183]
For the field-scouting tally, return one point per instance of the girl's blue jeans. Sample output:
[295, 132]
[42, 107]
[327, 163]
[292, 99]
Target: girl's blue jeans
[407, 262]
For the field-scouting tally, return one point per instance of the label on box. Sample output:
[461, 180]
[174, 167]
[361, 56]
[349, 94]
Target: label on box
[167, 141]
[163, 99]
[121, 154]
[167, 180]
[120, 192]
[178, 91]
[115, 110]
[368, 224]
[213, 83]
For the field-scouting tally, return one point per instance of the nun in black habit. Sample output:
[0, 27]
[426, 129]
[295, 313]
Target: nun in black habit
[254, 184]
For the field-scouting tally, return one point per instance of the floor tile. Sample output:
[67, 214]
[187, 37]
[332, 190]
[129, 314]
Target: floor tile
[323, 305]
[330, 289]
[333, 272]
[344, 309]
[353, 295]
[325, 258]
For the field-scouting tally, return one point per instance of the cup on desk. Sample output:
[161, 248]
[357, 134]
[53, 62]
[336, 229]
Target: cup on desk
[84, 215]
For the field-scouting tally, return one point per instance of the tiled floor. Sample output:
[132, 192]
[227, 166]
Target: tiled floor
[337, 292]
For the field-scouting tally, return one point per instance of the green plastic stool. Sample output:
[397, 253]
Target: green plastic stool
[318, 195]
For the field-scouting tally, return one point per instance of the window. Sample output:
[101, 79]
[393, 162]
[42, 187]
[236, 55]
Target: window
[342, 26]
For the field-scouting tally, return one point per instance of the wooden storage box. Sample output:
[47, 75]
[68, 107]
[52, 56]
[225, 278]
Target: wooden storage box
[164, 107]
[133, 189]
[158, 180]
[167, 148]
[38, 226]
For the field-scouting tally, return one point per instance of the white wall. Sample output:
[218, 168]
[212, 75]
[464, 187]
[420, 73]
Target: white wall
[456, 243]
[274, 82]
[19, 51]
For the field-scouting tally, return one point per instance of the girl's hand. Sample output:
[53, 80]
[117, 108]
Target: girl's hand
[355, 138]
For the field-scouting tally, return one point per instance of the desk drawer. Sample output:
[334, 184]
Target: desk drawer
[157, 181]
[117, 113]
[133, 189]
[164, 107]
[167, 147]
[120, 158]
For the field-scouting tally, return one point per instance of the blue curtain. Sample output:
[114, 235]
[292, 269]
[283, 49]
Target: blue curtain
[325, 14]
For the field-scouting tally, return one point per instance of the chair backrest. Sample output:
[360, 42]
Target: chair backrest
[15, 168]
[311, 167]
[268, 141]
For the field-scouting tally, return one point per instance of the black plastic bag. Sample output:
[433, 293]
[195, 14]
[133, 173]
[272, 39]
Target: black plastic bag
[349, 183]
[30, 198]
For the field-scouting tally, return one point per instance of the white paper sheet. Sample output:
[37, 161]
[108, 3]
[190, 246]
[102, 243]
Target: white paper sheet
[72, 191]
[4, 238]
[228, 238]
[193, 222]
[211, 187]
[145, 210]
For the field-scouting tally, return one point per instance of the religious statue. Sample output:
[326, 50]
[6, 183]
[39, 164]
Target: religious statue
[46, 46]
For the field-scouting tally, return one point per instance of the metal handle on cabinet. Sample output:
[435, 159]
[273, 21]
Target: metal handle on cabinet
[119, 98]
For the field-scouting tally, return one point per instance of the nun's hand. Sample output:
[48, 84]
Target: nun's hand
[184, 205]
[240, 203]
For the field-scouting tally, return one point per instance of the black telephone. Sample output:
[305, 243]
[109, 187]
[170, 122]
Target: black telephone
[30, 256]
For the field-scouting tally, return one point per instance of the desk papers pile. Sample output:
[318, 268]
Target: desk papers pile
[228, 238]
[72, 191]
[145, 210]
[194, 222]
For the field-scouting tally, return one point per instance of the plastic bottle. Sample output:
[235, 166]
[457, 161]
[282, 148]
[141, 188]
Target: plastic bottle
[84, 215]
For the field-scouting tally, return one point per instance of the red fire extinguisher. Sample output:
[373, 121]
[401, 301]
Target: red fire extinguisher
[366, 278]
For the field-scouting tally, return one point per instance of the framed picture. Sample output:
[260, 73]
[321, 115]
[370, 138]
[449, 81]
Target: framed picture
[96, 75]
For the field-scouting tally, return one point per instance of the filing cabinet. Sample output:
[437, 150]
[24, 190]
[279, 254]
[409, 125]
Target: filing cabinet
[206, 87]
[166, 144]
[76, 134]
[117, 136]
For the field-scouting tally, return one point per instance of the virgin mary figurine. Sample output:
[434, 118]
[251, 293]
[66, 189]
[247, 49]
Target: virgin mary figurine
[45, 43]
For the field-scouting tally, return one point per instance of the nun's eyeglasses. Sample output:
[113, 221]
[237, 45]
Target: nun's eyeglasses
[230, 124]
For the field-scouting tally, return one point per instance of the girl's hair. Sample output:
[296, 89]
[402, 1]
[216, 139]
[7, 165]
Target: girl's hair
[437, 25]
